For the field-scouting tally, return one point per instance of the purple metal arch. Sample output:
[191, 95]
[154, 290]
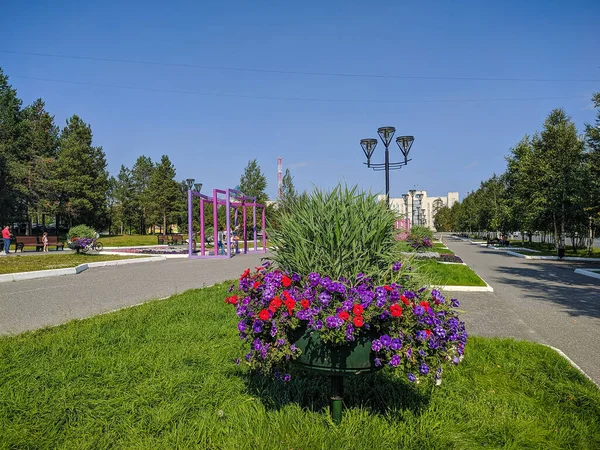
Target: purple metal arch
[216, 201]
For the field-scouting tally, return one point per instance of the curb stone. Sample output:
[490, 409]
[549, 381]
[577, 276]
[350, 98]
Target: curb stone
[561, 353]
[588, 273]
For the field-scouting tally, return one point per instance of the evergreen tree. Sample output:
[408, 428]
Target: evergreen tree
[288, 191]
[592, 137]
[164, 190]
[81, 177]
[253, 182]
[141, 173]
[125, 198]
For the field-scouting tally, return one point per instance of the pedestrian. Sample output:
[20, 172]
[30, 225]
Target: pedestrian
[221, 238]
[6, 238]
[45, 241]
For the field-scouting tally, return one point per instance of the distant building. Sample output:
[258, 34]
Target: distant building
[421, 207]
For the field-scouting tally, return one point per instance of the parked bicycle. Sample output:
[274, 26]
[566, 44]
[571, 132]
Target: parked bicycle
[94, 245]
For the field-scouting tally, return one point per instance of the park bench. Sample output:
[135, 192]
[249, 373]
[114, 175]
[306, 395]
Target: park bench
[53, 241]
[164, 239]
[177, 239]
[22, 241]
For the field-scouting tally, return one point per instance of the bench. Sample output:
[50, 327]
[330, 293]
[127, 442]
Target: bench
[177, 239]
[53, 241]
[164, 239]
[22, 241]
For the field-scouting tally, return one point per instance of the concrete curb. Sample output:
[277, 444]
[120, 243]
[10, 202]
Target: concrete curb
[588, 273]
[20, 276]
[486, 288]
[561, 353]
[156, 255]
[553, 258]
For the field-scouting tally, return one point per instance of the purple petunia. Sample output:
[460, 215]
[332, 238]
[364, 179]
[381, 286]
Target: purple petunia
[418, 310]
[396, 266]
[376, 345]
[242, 326]
[395, 361]
[396, 344]
[411, 378]
[424, 369]
[454, 302]
[385, 340]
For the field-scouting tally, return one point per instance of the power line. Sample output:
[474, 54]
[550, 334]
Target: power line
[300, 99]
[292, 72]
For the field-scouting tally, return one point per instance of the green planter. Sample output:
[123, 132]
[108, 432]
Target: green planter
[352, 359]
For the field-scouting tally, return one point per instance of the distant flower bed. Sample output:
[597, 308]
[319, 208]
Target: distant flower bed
[444, 257]
[154, 251]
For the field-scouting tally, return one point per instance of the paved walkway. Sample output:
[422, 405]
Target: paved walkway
[541, 301]
[32, 304]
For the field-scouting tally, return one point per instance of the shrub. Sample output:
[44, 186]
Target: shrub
[80, 236]
[419, 232]
[336, 234]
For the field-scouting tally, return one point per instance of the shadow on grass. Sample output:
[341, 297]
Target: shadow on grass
[378, 392]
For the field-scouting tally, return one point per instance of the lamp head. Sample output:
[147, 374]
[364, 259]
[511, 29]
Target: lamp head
[405, 143]
[189, 182]
[368, 146]
[386, 134]
[198, 187]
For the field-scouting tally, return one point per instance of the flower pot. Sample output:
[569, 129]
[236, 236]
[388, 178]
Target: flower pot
[351, 359]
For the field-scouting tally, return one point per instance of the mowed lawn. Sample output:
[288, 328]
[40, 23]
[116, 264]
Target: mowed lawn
[16, 263]
[448, 274]
[162, 375]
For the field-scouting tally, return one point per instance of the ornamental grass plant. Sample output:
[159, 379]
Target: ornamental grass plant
[340, 233]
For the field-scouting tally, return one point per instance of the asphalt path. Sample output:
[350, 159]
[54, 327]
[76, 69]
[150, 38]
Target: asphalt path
[534, 300]
[31, 304]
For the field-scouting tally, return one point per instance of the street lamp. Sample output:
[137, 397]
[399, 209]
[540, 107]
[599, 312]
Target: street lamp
[405, 198]
[412, 193]
[190, 183]
[197, 187]
[386, 134]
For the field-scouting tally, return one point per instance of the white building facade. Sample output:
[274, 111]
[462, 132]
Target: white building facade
[420, 207]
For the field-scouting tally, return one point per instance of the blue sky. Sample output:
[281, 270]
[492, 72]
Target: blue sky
[223, 118]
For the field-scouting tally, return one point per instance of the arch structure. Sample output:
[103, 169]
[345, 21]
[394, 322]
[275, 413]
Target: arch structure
[232, 199]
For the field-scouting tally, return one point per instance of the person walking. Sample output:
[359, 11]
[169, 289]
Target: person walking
[6, 238]
[221, 238]
[45, 241]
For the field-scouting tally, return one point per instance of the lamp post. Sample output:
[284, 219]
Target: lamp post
[386, 134]
[190, 183]
[412, 193]
[405, 198]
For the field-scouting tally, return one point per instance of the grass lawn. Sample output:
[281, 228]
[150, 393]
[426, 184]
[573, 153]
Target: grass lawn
[448, 274]
[549, 250]
[17, 263]
[126, 240]
[162, 375]
[441, 249]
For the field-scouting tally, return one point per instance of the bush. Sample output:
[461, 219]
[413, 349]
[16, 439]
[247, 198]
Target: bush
[81, 231]
[419, 232]
[336, 234]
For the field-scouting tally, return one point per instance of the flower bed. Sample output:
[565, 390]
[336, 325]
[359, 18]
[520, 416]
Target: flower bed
[416, 331]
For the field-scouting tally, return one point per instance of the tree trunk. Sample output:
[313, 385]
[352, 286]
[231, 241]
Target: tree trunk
[165, 220]
[556, 238]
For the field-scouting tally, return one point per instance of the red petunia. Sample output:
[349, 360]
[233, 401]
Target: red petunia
[264, 315]
[290, 305]
[259, 268]
[256, 284]
[428, 332]
[405, 300]
[424, 304]
[396, 310]
[231, 300]
[245, 274]
[388, 288]
[286, 295]
[343, 315]
[305, 303]
[286, 281]
[272, 308]
[358, 321]
[357, 310]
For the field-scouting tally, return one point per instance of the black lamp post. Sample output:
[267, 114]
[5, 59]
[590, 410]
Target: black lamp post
[386, 134]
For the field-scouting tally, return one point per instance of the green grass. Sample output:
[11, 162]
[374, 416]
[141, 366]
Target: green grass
[126, 240]
[16, 263]
[441, 249]
[448, 274]
[162, 375]
[549, 250]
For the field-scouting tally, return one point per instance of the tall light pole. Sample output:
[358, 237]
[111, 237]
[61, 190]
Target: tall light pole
[405, 198]
[386, 134]
[412, 193]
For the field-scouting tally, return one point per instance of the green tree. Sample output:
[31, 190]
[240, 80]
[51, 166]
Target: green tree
[288, 191]
[81, 177]
[164, 190]
[125, 198]
[141, 172]
[253, 182]
[592, 138]
[443, 219]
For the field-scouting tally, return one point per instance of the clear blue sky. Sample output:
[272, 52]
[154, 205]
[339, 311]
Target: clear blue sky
[211, 137]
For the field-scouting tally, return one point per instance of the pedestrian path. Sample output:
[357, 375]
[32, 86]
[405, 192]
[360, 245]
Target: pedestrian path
[540, 301]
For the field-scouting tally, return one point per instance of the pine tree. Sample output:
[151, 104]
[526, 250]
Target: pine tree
[288, 191]
[164, 190]
[253, 182]
[81, 176]
[141, 173]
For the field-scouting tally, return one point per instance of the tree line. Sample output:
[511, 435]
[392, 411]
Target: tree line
[52, 175]
[551, 185]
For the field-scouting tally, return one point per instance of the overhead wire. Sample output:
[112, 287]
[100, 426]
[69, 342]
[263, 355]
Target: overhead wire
[296, 72]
